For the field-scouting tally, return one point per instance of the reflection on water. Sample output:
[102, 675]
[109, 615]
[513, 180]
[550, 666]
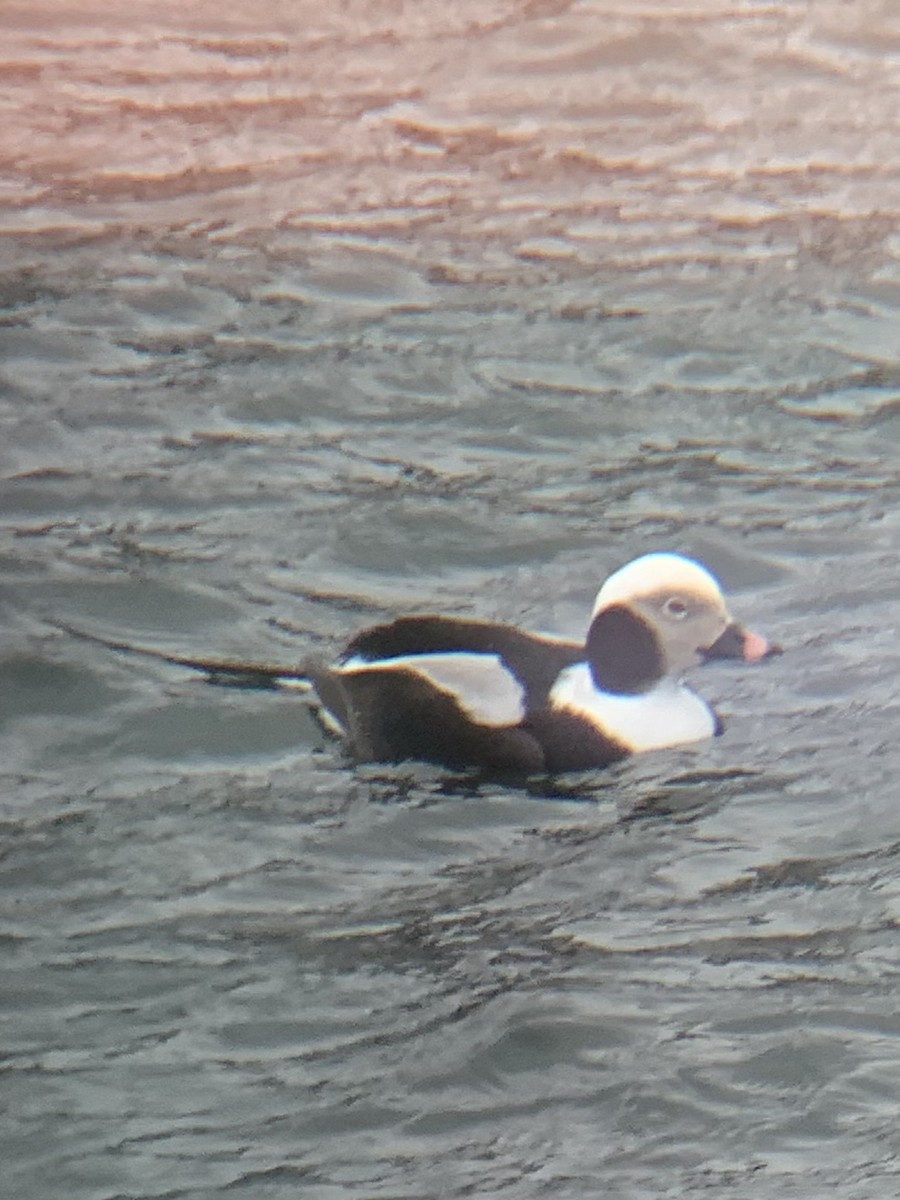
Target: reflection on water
[314, 314]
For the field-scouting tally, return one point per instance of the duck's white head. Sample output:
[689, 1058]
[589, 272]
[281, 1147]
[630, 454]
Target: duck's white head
[660, 615]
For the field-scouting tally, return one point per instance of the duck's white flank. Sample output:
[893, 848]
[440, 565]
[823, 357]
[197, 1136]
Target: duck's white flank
[670, 714]
[479, 683]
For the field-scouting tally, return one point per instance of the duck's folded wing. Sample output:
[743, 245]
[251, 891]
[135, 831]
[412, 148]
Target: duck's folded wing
[454, 708]
[535, 659]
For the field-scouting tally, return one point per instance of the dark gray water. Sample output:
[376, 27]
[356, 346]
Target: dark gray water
[314, 314]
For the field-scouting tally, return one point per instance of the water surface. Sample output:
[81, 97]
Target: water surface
[314, 315]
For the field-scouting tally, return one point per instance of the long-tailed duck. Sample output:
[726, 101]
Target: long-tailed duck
[470, 693]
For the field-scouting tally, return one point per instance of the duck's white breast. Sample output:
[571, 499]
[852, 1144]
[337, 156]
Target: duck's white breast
[670, 714]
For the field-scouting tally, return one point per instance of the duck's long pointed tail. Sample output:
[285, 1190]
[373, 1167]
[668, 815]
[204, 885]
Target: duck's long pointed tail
[223, 671]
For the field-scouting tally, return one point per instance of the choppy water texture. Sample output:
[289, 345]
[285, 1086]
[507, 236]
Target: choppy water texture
[314, 313]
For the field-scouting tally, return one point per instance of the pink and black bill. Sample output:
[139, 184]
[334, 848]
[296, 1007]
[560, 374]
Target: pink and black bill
[738, 642]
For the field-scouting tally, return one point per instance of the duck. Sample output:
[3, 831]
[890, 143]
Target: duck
[466, 693]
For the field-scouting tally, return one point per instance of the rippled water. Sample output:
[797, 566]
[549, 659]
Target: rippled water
[313, 314]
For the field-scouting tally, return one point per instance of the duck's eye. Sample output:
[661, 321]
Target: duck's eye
[676, 608]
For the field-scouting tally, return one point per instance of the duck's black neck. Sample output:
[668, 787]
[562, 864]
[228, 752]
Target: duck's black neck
[623, 652]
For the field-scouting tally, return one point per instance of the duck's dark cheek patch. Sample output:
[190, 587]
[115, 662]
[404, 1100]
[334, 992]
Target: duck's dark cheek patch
[623, 652]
